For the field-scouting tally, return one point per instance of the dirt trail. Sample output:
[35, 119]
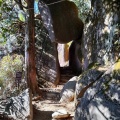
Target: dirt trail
[44, 108]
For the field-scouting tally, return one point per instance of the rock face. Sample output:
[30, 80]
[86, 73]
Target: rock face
[101, 101]
[47, 60]
[85, 80]
[17, 108]
[101, 32]
[68, 91]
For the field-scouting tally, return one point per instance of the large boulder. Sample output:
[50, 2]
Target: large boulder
[101, 100]
[85, 80]
[47, 64]
[68, 91]
[17, 108]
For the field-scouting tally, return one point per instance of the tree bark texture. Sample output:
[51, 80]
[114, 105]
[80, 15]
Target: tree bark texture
[32, 82]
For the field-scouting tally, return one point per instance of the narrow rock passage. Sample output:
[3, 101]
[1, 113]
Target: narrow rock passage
[44, 108]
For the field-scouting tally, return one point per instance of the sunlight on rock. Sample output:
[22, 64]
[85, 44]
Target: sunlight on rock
[95, 112]
[115, 96]
[68, 91]
[117, 65]
[106, 30]
[60, 114]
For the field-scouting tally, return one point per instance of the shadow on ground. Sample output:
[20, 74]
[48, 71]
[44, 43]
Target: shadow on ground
[42, 115]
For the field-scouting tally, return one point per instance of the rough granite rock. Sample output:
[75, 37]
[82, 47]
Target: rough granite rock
[18, 108]
[86, 79]
[68, 91]
[101, 101]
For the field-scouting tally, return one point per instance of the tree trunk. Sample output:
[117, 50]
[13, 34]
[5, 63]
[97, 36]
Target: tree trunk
[31, 75]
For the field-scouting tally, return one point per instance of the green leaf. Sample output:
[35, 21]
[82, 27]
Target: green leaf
[21, 16]
[0, 2]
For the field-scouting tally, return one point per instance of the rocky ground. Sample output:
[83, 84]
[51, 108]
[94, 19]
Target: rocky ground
[45, 107]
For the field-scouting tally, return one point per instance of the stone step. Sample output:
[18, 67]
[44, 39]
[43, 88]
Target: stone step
[62, 83]
[51, 93]
[67, 75]
[57, 89]
[66, 70]
[65, 78]
[60, 86]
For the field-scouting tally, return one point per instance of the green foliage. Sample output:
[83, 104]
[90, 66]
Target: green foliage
[10, 25]
[21, 16]
[9, 65]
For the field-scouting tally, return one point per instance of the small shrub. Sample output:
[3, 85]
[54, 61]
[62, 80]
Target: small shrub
[9, 65]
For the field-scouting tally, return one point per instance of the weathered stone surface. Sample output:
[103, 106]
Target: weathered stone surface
[68, 91]
[86, 79]
[101, 101]
[17, 108]
[60, 114]
[101, 32]
[47, 61]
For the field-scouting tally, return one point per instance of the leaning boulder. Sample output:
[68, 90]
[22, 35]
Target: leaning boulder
[101, 101]
[68, 91]
[85, 80]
